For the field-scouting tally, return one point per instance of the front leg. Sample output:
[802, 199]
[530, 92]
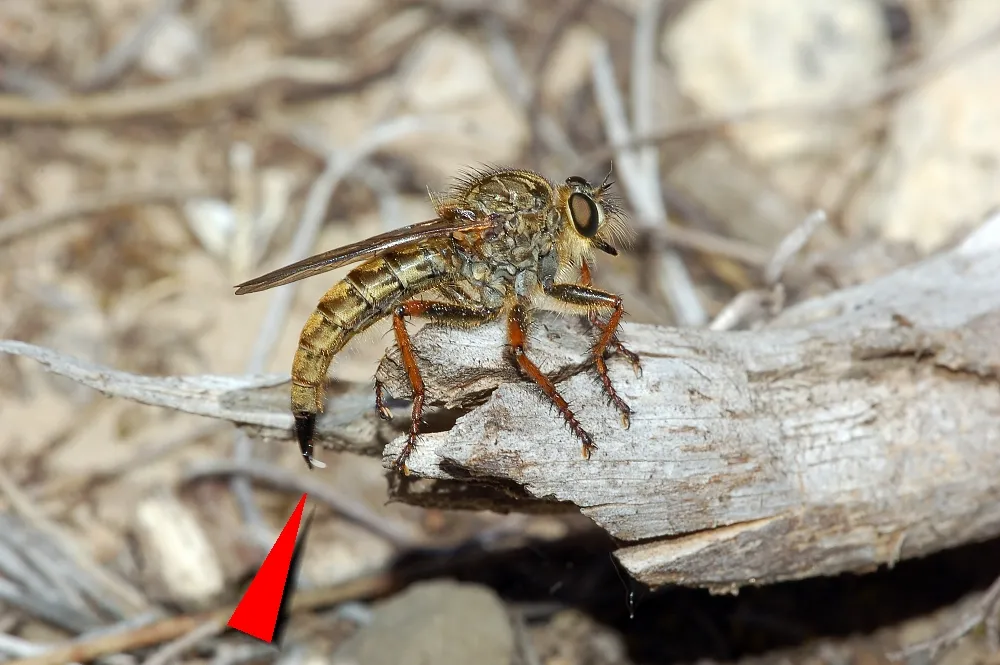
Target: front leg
[591, 299]
[615, 344]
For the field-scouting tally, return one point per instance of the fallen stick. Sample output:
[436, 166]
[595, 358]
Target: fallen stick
[854, 430]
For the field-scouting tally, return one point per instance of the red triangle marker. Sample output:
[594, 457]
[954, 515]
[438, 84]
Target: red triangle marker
[257, 612]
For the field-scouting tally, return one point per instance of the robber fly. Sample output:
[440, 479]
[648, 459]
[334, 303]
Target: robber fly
[504, 242]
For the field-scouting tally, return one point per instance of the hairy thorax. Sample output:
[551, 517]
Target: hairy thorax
[518, 254]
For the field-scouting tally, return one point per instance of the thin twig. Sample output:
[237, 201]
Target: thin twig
[148, 452]
[524, 92]
[199, 395]
[244, 204]
[757, 304]
[124, 53]
[85, 650]
[245, 400]
[698, 240]
[282, 479]
[893, 86]
[18, 647]
[174, 96]
[380, 182]
[40, 219]
[178, 647]
[29, 83]
[642, 85]
[127, 599]
[43, 609]
[58, 579]
[792, 244]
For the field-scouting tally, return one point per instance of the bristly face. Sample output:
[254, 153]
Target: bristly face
[593, 218]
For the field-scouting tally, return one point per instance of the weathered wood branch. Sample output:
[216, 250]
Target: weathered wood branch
[854, 430]
[257, 403]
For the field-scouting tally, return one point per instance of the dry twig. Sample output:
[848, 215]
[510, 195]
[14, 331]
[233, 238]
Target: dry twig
[640, 172]
[178, 647]
[34, 221]
[87, 649]
[397, 534]
[987, 611]
[124, 53]
[108, 590]
[174, 96]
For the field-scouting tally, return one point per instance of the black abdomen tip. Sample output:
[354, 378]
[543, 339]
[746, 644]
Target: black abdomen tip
[305, 426]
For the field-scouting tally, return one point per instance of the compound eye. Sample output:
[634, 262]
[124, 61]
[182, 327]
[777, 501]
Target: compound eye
[585, 214]
[578, 181]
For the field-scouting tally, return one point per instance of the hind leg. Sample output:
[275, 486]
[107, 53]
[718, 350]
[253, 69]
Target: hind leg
[460, 316]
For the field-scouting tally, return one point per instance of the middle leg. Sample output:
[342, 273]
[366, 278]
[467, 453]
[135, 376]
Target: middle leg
[591, 300]
[517, 336]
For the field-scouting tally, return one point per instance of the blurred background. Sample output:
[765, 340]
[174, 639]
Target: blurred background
[156, 152]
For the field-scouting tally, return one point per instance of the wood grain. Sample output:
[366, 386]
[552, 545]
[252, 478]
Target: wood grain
[852, 431]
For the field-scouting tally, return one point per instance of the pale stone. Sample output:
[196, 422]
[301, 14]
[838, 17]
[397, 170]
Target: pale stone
[314, 18]
[734, 55]
[941, 168]
[173, 50]
[341, 551]
[179, 558]
[54, 184]
[441, 622]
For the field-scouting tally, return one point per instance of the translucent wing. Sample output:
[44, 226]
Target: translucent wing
[359, 251]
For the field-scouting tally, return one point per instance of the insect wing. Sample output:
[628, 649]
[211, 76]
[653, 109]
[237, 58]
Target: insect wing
[359, 251]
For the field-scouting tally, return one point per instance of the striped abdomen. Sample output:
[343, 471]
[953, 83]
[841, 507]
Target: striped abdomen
[367, 294]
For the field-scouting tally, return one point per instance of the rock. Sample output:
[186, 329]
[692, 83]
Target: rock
[734, 55]
[173, 49]
[434, 623]
[315, 18]
[941, 167]
[340, 551]
[179, 561]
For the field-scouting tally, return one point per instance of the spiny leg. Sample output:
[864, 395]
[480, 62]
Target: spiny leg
[460, 316]
[615, 344]
[593, 299]
[516, 335]
[457, 296]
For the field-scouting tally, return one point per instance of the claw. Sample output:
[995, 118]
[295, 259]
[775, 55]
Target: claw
[383, 411]
[404, 455]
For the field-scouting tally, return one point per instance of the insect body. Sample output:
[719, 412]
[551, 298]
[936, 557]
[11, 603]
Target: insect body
[504, 242]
